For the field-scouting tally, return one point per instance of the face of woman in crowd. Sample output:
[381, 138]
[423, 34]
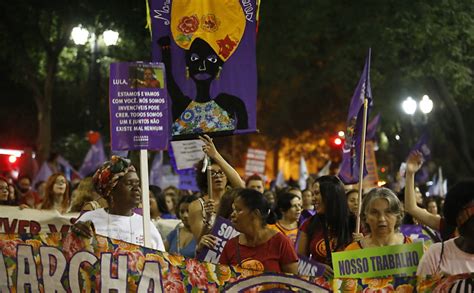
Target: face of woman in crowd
[380, 219]
[308, 198]
[127, 193]
[432, 207]
[294, 213]
[219, 180]
[418, 196]
[154, 212]
[59, 186]
[4, 190]
[169, 203]
[353, 202]
[318, 200]
[241, 216]
[184, 214]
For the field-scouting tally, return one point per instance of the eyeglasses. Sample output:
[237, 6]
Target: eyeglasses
[217, 173]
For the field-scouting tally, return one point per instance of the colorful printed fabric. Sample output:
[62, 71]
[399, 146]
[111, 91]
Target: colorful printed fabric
[108, 175]
[203, 118]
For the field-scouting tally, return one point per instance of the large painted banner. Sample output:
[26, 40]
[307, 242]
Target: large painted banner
[208, 48]
[67, 263]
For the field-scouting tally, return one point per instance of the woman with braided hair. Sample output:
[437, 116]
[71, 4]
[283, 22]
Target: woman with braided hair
[117, 181]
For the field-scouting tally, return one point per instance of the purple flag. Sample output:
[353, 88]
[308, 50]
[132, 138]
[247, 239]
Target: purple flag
[156, 170]
[209, 50]
[94, 158]
[422, 146]
[349, 170]
[372, 128]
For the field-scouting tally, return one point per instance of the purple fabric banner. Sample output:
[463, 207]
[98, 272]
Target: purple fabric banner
[372, 128]
[349, 171]
[208, 48]
[309, 267]
[138, 106]
[224, 231]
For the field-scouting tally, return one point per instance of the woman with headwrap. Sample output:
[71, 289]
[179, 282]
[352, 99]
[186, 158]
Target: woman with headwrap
[117, 181]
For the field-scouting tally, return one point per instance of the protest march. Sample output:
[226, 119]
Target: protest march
[257, 148]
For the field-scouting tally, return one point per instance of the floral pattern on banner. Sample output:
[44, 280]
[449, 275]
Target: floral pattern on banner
[180, 274]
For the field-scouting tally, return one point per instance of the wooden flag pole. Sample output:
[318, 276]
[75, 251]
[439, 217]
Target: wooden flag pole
[145, 197]
[362, 162]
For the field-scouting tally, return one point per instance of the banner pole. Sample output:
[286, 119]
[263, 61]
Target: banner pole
[209, 176]
[145, 197]
[362, 163]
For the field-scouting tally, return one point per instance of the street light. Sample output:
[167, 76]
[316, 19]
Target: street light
[409, 106]
[426, 104]
[110, 37]
[79, 35]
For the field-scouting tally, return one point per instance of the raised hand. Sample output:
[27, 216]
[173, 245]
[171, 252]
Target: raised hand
[414, 162]
[209, 148]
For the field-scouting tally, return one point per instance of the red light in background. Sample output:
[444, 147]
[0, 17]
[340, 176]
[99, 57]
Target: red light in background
[382, 169]
[12, 159]
[337, 141]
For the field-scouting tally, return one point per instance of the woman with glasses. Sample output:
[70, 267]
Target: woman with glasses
[202, 211]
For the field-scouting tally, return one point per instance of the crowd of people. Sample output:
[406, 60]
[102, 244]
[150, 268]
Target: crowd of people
[276, 227]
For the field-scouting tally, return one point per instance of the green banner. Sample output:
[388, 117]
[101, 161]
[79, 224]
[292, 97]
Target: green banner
[378, 261]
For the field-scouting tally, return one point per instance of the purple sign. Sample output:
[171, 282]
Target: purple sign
[309, 267]
[209, 50]
[224, 231]
[138, 106]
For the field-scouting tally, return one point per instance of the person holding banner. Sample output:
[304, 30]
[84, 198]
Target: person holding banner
[257, 247]
[117, 181]
[329, 229]
[454, 256]
[203, 211]
[382, 215]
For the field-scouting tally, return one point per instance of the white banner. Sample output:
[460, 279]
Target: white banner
[16, 221]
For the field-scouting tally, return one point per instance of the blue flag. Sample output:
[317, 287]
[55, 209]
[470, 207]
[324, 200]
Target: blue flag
[349, 171]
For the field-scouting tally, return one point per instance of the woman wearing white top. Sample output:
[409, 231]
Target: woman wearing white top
[117, 181]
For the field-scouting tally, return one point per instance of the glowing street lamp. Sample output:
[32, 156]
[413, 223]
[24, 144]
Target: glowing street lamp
[80, 35]
[409, 106]
[110, 37]
[426, 104]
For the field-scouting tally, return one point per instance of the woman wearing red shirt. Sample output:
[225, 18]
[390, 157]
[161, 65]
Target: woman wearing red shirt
[331, 226]
[257, 248]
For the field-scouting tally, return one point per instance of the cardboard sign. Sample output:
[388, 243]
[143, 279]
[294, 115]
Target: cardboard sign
[187, 153]
[378, 262]
[224, 231]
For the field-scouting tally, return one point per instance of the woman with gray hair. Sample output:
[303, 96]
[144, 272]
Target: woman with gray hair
[382, 215]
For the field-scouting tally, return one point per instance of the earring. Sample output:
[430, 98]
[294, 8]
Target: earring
[187, 72]
[218, 75]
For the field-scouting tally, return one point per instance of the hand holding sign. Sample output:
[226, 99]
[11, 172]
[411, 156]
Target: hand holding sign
[208, 148]
[83, 229]
[209, 241]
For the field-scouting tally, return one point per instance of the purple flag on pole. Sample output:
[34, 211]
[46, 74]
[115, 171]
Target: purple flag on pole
[349, 171]
[422, 146]
[372, 128]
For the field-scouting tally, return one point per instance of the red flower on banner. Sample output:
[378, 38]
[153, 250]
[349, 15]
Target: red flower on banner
[136, 259]
[9, 247]
[188, 24]
[226, 46]
[173, 283]
[197, 274]
[210, 23]
[72, 244]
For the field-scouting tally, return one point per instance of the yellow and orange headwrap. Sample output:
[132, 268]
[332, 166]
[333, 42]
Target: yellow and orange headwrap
[221, 23]
[108, 175]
